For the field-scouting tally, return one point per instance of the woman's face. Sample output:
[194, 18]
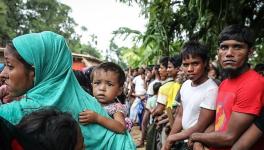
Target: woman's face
[16, 76]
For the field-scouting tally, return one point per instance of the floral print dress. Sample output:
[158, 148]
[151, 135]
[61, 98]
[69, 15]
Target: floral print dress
[118, 107]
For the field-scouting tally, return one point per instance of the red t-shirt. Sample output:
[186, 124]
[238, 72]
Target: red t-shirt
[243, 94]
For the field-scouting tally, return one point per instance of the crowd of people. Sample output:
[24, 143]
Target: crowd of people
[199, 103]
[186, 101]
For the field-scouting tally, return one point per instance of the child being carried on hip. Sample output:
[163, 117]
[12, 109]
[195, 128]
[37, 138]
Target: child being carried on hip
[107, 84]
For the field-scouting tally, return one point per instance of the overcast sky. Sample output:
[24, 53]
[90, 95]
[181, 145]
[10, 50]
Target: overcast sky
[102, 17]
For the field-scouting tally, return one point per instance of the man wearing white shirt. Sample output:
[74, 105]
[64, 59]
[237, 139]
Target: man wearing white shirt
[198, 96]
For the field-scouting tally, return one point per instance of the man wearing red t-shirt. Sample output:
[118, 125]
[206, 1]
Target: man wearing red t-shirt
[240, 94]
[253, 133]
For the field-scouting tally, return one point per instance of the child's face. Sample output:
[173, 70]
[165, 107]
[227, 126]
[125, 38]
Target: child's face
[105, 86]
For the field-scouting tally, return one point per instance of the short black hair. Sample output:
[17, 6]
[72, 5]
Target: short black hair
[195, 48]
[156, 67]
[175, 60]
[53, 129]
[149, 67]
[239, 33]
[156, 87]
[110, 66]
[164, 61]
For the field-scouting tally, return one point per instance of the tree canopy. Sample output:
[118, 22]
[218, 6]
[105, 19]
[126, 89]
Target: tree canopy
[172, 22]
[19, 17]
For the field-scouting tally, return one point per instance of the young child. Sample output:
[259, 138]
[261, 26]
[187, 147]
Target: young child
[107, 84]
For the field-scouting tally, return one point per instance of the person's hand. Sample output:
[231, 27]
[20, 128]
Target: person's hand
[195, 136]
[192, 141]
[167, 145]
[167, 128]
[163, 121]
[88, 116]
[198, 146]
[162, 117]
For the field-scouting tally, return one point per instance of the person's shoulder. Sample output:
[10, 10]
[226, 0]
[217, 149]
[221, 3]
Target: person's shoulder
[186, 86]
[152, 98]
[251, 74]
[252, 77]
[168, 84]
[135, 78]
[154, 81]
[187, 83]
[212, 83]
[175, 86]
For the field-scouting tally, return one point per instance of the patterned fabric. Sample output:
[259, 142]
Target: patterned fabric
[115, 107]
[118, 107]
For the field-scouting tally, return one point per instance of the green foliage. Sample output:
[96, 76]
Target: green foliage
[9, 19]
[25, 16]
[88, 49]
[171, 22]
[77, 47]
[41, 15]
[3, 27]
[214, 15]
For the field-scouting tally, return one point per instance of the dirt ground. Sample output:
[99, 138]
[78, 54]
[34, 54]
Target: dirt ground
[136, 134]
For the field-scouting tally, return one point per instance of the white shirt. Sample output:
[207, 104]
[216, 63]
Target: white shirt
[139, 85]
[150, 87]
[195, 98]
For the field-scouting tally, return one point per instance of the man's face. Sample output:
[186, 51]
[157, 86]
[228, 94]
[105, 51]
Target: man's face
[172, 71]
[163, 72]
[233, 55]
[194, 67]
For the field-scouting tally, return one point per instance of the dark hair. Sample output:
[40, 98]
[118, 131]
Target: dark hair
[121, 98]
[156, 67]
[88, 73]
[164, 61]
[11, 47]
[156, 87]
[12, 137]
[141, 71]
[211, 66]
[259, 67]
[239, 33]
[53, 129]
[110, 66]
[175, 60]
[149, 68]
[195, 49]
[83, 80]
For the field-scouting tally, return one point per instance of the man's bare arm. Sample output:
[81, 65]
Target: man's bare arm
[158, 110]
[238, 123]
[248, 139]
[206, 117]
[177, 125]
